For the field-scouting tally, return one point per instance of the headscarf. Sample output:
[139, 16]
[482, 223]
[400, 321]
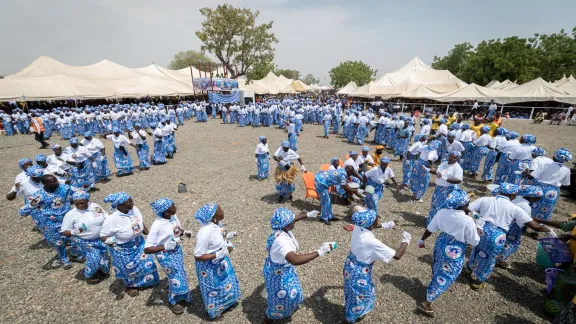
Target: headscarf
[452, 134]
[161, 205]
[281, 218]
[21, 162]
[379, 147]
[420, 136]
[506, 189]
[563, 155]
[73, 141]
[432, 146]
[365, 149]
[443, 121]
[425, 121]
[456, 199]
[116, 199]
[206, 213]
[529, 139]
[352, 153]
[364, 218]
[116, 129]
[530, 191]
[153, 124]
[285, 143]
[501, 131]
[55, 146]
[466, 126]
[40, 158]
[137, 125]
[485, 129]
[511, 135]
[538, 151]
[457, 153]
[87, 134]
[80, 194]
[35, 171]
[261, 138]
[454, 127]
[385, 159]
[334, 159]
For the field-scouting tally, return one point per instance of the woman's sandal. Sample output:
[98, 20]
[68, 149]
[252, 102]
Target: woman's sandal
[427, 312]
[477, 286]
[132, 292]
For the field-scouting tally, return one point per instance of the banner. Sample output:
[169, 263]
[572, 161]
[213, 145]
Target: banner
[224, 98]
[218, 84]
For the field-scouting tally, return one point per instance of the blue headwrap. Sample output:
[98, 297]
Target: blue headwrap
[285, 143]
[161, 205]
[465, 126]
[281, 218]
[116, 129]
[511, 135]
[485, 129]
[206, 213]
[454, 127]
[443, 121]
[87, 134]
[40, 158]
[352, 153]
[506, 189]
[457, 153]
[116, 199]
[420, 136]
[432, 146]
[365, 149]
[538, 151]
[73, 141]
[364, 218]
[425, 121]
[80, 194]
[385, 159]
[21, 162]
[563, 155]
[35, 171]
[334, 159]
[261, 138]
[153, 124]
[456, 199]
[501, 131]
[453, 134]
[137, 125]
[530, 191]
[529, 139]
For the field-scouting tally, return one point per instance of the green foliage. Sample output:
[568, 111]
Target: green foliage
[310, 79]
[186, 58]
[233, 36]
[357, 71]
[287, 73]
[514, 58]
[259, 70]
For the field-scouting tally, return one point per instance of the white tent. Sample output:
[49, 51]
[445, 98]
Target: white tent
[348, 89]
[535, 90]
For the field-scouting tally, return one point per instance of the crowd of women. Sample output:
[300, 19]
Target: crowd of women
[526, 191]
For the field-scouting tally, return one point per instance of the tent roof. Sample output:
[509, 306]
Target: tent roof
[348, 89]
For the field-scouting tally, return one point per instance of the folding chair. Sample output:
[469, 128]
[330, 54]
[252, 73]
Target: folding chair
[324, 167]
[308, 178]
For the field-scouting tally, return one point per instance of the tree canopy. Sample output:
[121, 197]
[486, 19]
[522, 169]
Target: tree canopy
[513, 58]
[287, 73]
[186, 58]
[357, 71]
[233, 36]
[310, 79]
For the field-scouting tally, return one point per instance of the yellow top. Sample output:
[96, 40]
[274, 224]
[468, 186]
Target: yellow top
[476, 129]
[451, 120]
[435, 123]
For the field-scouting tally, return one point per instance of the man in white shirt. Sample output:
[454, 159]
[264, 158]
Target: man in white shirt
[496, 214]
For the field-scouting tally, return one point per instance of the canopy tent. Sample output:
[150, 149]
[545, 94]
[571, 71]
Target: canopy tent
[348, 89]
[535, 90]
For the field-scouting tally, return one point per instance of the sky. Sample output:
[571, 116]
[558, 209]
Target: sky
[314, 35]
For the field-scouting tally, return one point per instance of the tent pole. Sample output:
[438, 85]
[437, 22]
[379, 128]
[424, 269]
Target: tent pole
[447, 109]
[192, 75]
[531, 113]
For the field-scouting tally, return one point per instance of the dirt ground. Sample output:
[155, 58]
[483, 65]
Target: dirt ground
[217, 163]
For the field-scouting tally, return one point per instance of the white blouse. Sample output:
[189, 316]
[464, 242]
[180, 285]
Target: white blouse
[121, 140]
[88, 222]
[125, 227]
[262, 148]
[163, 230]
[209, 239]
[93, 146]
[283, 244]
[452, 171]
[457, 224]
[367, 249]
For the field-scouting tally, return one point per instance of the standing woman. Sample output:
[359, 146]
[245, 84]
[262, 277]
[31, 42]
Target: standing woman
[164, 242]
[480, 151]
[494, 150]
[403, 137]
[449, 175]
[420, 176]
[467, 139]
[282, 283]
[216, 276]
[262, 155]
[457, 230]
[503, 167]
[142, 150]
[365, 250]
[159, 156]
[83, 224]
[412, 155]
[122, 159]
[82, 171]
[122, 232]
[286, 170]
[98, 151]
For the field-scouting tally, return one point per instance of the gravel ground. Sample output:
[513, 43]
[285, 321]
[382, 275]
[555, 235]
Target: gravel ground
[217, 163]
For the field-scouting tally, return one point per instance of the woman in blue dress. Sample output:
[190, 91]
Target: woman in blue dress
[457, 231]
[159, 156]
[402, 139]
[262, 155]
[365, 250]
[326, 179]
[503, 167]
[282, 283]
[141, 145]
[420, 176]
[122, 232]
[122, 159]
[7, 124]
[216, 276]
[163, 241]
[412, 155]
[286, 171]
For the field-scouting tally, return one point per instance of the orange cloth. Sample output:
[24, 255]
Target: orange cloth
[40, 124]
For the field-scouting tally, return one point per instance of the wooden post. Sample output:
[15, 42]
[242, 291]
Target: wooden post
[192, 75]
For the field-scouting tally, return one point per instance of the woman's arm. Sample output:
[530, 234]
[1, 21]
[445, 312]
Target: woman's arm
[300, 259]
[400, 251]
[154, 249]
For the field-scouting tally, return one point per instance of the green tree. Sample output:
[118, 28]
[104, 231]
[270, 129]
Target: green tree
[456, 59]
[233, 36]
[287, 73]
[557, 54]
[310, 79]
[259, 70]
[186, 58]
[357, 71]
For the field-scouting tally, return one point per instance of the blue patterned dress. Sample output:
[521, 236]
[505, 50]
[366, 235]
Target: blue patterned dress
[448, 263]
[513, 238]
[263, 166]
[143, 153]
[488, 173]
[218, 285]
[123, 162]
[502, 169]
[372, 199]
[359, 290]
[96, 254]
[467, 155]
[102, 171]
[479, 153]
[419, 178]
[173, 264]
[159, 151]
[440, 194]
[324, 180]
[282, 285]
[545, 206]
[407, 166]
[132, 265]
[402, 143]
[483, 257]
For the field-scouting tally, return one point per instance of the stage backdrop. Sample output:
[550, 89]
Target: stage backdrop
[224, 98]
